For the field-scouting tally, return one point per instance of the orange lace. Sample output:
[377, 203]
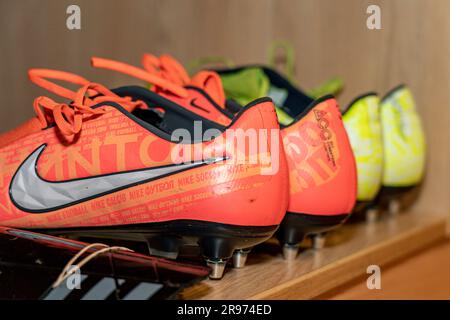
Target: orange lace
[167, 74]
[160, 82]
[69, 117]
[167, 68]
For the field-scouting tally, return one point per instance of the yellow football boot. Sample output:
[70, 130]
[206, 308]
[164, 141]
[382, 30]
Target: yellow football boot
[362, 122]
[403, 143]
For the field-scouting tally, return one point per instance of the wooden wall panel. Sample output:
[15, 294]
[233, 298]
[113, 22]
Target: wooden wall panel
[330, 38]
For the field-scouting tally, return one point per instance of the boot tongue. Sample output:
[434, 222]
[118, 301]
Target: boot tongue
[210, 82]
[251, 83]
[170, 69]
[246, 85]
[206, 96]
[202, 100]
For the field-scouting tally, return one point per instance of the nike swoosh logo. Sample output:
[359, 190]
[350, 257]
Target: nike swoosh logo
[29, 192]
[197, 106]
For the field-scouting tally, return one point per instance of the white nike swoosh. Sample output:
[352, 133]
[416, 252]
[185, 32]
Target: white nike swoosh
[29, 192]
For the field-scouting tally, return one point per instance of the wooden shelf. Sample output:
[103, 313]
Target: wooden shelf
[349, 251]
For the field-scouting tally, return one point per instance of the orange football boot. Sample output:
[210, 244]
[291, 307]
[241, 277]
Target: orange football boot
[321, 164]
[322, 175]
[322, 167]
[102, 166]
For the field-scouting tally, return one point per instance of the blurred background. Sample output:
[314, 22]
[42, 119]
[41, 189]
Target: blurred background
[330, 39]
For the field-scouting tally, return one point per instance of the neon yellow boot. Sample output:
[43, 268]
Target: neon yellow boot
[404, 145]
[362, 122]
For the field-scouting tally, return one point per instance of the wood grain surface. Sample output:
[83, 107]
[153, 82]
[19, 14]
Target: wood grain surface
[405, 280]
[350, 250]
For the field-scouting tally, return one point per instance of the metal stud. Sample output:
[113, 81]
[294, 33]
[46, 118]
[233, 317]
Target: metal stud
[372, 215]
[240, 258]
[217, 268]
[318, 241]
[394, 207]
[290, 251]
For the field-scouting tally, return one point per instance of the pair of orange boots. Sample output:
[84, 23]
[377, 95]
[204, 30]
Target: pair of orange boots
[171, 165]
